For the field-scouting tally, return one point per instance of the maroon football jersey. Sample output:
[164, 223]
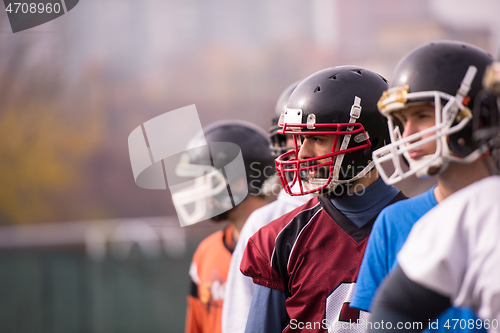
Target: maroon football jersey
[313, 254]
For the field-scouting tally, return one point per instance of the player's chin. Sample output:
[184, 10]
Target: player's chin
[315, 173]
[220, 218]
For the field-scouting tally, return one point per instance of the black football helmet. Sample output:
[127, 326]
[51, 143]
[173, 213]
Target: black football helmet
[487, 104]
[221, 166]
[278, 141]
[449, 75]
[342, 102]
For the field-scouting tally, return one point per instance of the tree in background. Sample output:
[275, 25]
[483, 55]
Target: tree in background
[47, 129]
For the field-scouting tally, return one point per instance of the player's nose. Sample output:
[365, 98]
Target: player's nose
[410, 129]
[307, 149]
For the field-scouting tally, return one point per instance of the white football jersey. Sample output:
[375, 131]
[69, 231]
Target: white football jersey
[240, 288]
[454, 250]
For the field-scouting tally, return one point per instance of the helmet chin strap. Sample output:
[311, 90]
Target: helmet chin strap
[430, 169]
[430, 165]
[354, 116]
[319, 182]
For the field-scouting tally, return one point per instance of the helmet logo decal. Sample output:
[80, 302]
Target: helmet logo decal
[394, 98]
[491, 80]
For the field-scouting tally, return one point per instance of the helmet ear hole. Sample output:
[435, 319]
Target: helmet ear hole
[375, 145]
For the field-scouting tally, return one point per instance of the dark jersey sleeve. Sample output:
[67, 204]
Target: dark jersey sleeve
[405, 305]
[256, 262]
[267, 311]
[267, 252]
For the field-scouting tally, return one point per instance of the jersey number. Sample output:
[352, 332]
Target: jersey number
[339, 316]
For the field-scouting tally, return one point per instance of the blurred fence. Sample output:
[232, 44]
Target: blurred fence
[97, 276]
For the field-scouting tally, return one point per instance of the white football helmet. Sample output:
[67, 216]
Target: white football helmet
[448, 75]
[211, 177]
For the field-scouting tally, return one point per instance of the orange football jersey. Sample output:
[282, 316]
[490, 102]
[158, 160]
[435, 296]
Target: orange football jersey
[208, 273]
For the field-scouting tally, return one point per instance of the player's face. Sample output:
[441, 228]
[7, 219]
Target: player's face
[415, 119]
[289, 141]
[315, 146]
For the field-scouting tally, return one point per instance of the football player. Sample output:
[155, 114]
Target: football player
[428, 106]
[452, 254]
[218, 173]
[239, 288]
[305, 263]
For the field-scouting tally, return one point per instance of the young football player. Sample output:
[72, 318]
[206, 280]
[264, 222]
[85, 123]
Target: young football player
[429, 114]
[305, 263]
[456, 260]
[218, 172]
[239, 288]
